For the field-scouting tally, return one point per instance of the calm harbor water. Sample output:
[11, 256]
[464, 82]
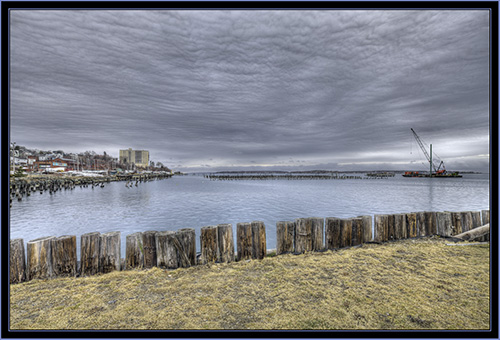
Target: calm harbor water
[194, 202]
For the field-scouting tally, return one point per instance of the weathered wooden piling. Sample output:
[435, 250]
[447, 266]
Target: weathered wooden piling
[381, 229]
[444, 224]
[285, 235]
[400, 231]
[17, 261]
[357, 231]
[39, 258]
[367, 228]
[391, 231]
[244, 241]
[64, 259]
[485, 216]
[109, 252]
[476, 219]
[345, 232]
[332, 233]
[167, 256]
[134, 251]
[149, 245]
[226, 242]
[259, 247]
[421, 223]
[466, 221]
[456, 219]
[303, 235]
[186, 247]
[89, 253]
[317, 232]
[430, 223]
[209, 244]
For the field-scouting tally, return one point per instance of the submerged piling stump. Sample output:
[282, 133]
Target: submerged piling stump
[109, 253]
[89, 253]
[134, 251]
[226, 242]
[39, 258]
[285, 234]
[64, 256]
[259, 247]
[209, 244]
[17, 261]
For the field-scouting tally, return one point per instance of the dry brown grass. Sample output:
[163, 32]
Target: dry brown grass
[411, 284]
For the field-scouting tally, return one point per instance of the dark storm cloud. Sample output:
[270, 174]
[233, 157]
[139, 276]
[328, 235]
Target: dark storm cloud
[221, 88]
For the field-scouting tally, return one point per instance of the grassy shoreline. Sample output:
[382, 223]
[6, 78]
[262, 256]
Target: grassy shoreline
[409, 284]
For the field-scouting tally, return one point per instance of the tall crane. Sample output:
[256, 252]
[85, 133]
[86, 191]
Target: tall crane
[437, 169]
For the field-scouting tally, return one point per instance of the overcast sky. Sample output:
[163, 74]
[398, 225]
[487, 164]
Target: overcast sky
[330, 89]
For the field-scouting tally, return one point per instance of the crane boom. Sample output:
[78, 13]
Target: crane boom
[429, 159]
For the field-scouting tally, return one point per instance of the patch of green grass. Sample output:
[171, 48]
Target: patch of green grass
[411, 284]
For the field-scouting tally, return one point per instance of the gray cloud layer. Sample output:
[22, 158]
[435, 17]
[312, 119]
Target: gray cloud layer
[248, 88]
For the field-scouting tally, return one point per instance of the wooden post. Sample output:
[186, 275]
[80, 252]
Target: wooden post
[244, 241]
[444, 225]
[186, 247]
[485, 216]
[430, 223]
[166, 253]
[285, 234]
[226, 242]
[39, 258]
[209, 244]
[109, 253]
[345, 232]
[89, 253]
[367, 228]
[134, 251]
[357, 231]
[456, 219]
[391, 229]
[64, 260]
[421, 226]
[466, 221]
[317, 232]
[381, 228]
[17, 261]
[411, 225]
[259, 247]
[303, 235]
[149, 244]
[476, 219]
[399, 226]
[332, 232]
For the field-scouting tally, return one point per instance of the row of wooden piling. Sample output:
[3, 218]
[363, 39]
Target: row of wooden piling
[233, 177]
[50, 257]
[20, 187]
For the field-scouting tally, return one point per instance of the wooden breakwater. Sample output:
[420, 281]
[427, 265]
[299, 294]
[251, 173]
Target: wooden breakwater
[259, 177]
[50, 257]
[26, 186]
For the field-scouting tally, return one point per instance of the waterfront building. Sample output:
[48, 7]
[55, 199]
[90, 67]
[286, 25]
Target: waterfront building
[137, 157]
